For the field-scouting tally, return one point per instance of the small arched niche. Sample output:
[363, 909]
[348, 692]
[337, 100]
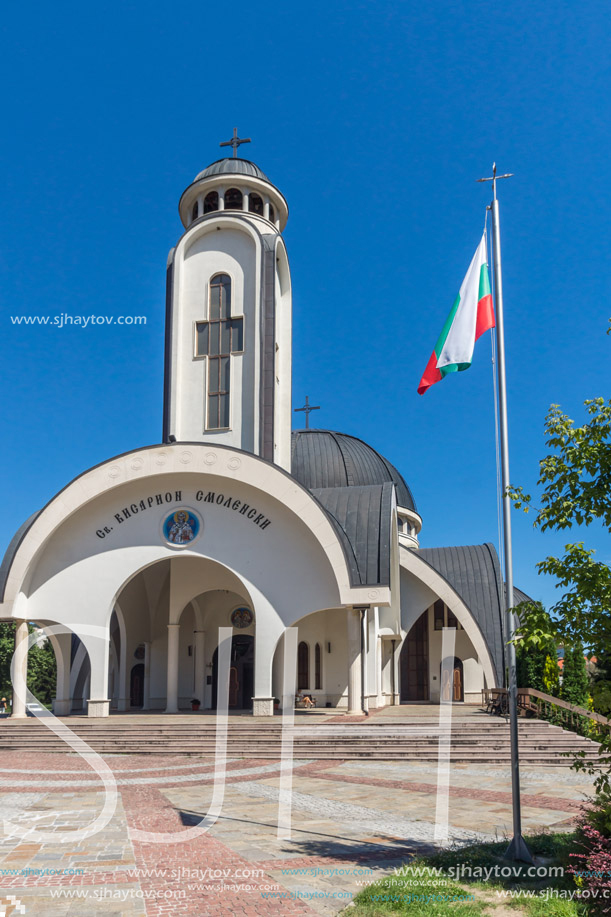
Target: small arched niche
[255, 203]
[211, 202]
[233, 199]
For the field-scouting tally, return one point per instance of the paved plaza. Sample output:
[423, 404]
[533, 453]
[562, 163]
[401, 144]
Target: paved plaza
[351, 822]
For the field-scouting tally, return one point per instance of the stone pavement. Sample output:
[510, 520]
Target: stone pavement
[351, 822]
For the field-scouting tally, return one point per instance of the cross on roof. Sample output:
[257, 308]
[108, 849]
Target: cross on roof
[235, 142]
[307, 408]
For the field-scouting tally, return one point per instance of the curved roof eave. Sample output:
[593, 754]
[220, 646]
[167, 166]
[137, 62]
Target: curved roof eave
[474, 572]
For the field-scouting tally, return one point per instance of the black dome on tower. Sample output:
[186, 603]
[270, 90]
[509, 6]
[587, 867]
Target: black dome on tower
[232, 166]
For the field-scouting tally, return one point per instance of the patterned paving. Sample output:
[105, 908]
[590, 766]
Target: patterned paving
[351, 822]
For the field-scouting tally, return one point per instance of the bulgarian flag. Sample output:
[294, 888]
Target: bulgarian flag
[471, 315]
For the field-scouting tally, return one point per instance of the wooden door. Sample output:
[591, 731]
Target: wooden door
[414, 662]
[234, 686]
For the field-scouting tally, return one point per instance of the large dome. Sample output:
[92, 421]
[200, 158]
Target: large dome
[231, 166]
[324, 458]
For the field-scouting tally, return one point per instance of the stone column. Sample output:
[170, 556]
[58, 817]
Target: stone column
[63, 702]
[172, 689]
[354, 661]
[266, 208]
[146, 700]
[20, 669]
[221, 194]
[200, 670]
[364, 662]
[265, 643]
[396, 673]
[245, 201]
[98, 703]
[124, 701]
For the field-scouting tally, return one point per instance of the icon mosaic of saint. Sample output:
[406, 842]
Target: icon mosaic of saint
[183, 529]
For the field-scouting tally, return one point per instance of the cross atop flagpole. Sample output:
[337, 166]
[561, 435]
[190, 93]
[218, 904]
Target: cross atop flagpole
[517, 849]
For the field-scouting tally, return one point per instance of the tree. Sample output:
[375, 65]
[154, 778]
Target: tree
[576, 482]
[551, 677]
[601, 684]
[7, 648]
[42, 672]
[530, 664]
[575, 682]
[41, 666]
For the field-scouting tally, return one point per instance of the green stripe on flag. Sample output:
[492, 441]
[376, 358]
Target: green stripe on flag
[453, 368]
[484, 283]
[446, 328]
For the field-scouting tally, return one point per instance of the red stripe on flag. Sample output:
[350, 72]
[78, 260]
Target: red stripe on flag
[485, 316]
[431, 375]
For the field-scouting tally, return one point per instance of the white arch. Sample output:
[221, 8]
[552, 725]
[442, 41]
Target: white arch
[172, 460]
[61, 644]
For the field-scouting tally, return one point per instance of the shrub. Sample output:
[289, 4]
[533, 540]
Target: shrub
[592, 868]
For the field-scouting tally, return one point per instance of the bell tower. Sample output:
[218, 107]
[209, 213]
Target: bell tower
[228, 314]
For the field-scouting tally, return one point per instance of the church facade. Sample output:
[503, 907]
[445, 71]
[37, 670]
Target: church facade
[234, 520]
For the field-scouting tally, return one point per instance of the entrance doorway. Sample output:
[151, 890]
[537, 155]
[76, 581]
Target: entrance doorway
[453, 688]
[136, 686]
[241, 673]
[414, 662]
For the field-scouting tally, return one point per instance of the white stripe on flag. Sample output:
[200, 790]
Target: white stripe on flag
[459, 344]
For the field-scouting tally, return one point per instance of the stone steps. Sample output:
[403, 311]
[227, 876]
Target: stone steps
[471, 741]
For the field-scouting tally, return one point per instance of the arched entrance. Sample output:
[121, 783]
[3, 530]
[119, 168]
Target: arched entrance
[136, 685]
[414, 662]
[241, 673]
[452, 681]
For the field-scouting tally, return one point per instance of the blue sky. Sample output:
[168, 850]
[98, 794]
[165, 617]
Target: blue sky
[374, 119]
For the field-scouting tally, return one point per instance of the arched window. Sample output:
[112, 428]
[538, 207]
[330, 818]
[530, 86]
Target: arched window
[217, 339]
[272, 213]
[195, 212]
[303, 666]
[255, 204]
[233, 199]
[211, 202]
[317, 668]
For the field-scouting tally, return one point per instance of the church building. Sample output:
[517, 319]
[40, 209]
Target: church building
[234, 520]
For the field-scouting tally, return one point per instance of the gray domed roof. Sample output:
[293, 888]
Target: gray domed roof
[232, 167]
[324, 458]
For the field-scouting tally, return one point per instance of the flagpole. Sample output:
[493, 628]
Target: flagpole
[517, 849]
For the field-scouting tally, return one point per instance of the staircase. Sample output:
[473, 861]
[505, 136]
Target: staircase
[475, 739]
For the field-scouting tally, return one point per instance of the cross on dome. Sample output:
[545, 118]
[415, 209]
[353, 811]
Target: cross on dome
[235, 142]
[307, 408]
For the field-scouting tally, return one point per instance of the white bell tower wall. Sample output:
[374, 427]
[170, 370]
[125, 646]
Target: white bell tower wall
[228, 332]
